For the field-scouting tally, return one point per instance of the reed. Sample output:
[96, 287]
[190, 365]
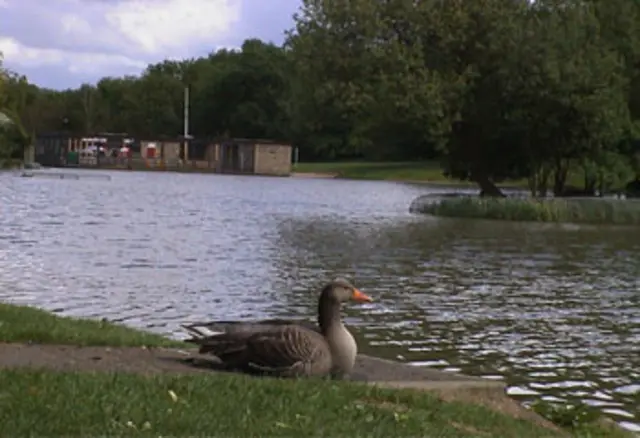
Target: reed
[580, 211]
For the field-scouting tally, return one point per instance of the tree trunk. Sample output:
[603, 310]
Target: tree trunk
[487, 187]
[560, 176]
[538, 181]
[533, 184]
[543, 186]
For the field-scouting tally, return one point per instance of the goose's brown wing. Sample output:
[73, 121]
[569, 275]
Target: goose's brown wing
[230, 348]
[288, 350]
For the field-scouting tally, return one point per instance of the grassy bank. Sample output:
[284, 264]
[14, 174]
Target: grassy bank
[581, 211]
[46, 403]
[397, 171]
[26, 324]
[423, 171]
[38, 403]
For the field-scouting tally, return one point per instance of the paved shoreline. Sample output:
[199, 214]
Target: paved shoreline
[154, 360]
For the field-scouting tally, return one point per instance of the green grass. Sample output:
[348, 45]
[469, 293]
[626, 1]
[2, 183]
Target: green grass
[582, 211]
[10, 163]
[417, 171]
[53, 403]
[26, 324]
[398, 171]
[36, 403]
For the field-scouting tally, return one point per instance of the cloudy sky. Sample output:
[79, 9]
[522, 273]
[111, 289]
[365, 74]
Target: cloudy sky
[63, 43]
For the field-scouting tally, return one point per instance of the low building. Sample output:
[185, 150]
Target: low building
[51, 149]
[241, 156]
[233, 156]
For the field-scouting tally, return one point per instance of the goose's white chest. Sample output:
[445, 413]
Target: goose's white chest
[344, 349]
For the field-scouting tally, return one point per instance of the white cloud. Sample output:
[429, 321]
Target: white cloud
[85, 63]
[115, 35]
[173, 24]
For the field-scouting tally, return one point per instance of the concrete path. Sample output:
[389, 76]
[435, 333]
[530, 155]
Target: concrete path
[157, 360]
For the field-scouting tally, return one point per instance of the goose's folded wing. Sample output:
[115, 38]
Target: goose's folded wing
[287, 346]
[222, 346]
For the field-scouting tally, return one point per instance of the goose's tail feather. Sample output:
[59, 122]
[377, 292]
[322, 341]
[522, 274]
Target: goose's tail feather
[203, 330]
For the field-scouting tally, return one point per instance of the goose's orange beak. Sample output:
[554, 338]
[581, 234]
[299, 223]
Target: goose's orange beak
[360, 297]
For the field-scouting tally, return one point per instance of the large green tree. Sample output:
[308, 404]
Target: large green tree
[503, 88]
[360, 85]
[573, 104]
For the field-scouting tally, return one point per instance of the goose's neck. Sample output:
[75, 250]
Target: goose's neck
[328, 314]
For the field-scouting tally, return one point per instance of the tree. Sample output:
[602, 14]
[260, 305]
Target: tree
[3, 79]
[355, 77]
[575, 104]
[15, 95]
[240, 94]
[506, 89]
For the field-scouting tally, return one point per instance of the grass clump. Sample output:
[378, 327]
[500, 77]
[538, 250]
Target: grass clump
[580, 419]
[567, 416]
[37, 403]
[27, 324]
[583, 211]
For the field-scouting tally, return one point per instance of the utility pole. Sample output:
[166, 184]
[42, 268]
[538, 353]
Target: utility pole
[186, 111]
[186, 123]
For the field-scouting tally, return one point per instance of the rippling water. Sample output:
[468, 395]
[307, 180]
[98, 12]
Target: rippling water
[553, 310]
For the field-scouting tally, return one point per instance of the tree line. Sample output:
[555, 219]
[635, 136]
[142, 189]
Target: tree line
[494, 89]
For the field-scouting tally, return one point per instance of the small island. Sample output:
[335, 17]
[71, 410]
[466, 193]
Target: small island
[592, 211]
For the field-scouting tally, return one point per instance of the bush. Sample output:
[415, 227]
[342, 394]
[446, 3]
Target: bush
[586, 211]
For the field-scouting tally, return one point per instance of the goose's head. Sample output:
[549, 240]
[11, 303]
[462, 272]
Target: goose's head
[341, 290]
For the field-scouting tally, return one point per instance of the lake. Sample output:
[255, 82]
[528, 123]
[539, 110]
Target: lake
[554, 310]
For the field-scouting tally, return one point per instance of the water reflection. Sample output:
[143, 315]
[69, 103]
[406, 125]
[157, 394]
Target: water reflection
[553, 310]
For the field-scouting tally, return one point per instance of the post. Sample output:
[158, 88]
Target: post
[186, 111]
[186, 123]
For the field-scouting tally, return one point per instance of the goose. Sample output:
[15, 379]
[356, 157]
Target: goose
[283, 348]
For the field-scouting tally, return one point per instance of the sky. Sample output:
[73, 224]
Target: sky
[64, 43]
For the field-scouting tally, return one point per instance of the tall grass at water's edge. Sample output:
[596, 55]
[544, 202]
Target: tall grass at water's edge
[579, 211]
